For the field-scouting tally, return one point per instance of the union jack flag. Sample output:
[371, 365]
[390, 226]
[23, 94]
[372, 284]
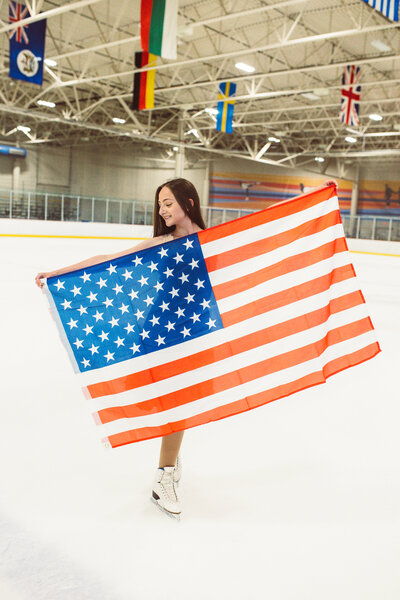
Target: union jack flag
[17, 12]
[351, 92]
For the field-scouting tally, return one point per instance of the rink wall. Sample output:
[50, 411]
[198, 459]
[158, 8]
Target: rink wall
[72, 229]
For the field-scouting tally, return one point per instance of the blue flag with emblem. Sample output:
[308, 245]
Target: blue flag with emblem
[27, 44]
[225, 106]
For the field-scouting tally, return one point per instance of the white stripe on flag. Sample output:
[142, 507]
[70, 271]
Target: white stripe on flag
[168, 46]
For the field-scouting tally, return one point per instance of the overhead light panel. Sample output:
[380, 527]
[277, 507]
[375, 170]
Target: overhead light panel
[319, 159]
[50, 62]
[381, 46]
[274, 139]
[310, 96]
[23, 129]
[46, 103]
[244, 67]
[175, 148]
[350, 139]
[195, 133]
[375, 117]
[211, 111]
[118, 120]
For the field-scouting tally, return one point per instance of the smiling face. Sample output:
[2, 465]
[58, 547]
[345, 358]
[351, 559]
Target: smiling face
[169, 208]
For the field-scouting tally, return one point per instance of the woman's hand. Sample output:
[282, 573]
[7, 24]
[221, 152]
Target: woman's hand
[329, 182]
[39, 277]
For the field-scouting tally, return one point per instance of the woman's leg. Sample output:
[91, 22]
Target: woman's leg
[170, 446]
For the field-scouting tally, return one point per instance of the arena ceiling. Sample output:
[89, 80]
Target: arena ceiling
[298, 49]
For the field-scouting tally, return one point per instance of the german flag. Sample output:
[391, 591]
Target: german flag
[143, 83]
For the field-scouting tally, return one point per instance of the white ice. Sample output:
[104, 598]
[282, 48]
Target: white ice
[296, 500]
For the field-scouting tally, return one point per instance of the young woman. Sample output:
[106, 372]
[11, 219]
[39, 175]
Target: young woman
[176, 214]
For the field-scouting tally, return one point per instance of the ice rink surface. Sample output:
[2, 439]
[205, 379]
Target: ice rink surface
[296, 500]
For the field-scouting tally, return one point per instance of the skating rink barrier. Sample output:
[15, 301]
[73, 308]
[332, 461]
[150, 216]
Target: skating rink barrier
[25, 228]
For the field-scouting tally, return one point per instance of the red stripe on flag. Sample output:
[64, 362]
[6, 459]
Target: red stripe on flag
[143, 81]
[146, 8]
[253, 401]
[272, 213]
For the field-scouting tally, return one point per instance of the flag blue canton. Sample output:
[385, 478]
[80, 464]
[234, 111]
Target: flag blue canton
[136, 304]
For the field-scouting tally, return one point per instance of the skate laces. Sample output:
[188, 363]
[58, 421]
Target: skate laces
[167, 485]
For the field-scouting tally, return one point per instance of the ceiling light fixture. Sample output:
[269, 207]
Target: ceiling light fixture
[50, 62]
[195, 133]
[118, 120]
[381, 46]
[244, 67]
[310, 96]
[375, 117]
[350, 139]
[24, 129]
[319, 159]
[211, 111]
[46, 103]
[175, 148]
[274, 139]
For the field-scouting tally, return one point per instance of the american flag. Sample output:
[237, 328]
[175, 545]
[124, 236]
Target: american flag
[17, 12]
[389, 8]
[351, 92]
[210, 325]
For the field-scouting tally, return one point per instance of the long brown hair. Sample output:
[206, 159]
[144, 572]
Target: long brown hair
[184, 191]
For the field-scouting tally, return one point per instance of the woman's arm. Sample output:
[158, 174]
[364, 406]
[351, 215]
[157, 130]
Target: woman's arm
[94, 260]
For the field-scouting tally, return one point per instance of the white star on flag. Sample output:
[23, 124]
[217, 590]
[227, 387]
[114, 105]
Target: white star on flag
[101, 283]
[76, 291]
[60, 285]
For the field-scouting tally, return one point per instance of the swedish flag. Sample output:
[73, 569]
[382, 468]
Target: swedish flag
[225, 106]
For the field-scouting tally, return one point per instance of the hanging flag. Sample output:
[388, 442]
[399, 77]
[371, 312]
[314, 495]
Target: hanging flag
[225, 106]
[216, 323]
[158, 27]
[389, 8]
[351, 91]
[143, 83]
[26, 45]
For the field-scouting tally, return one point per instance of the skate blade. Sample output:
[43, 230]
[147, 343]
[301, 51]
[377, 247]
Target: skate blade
[174, 516]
